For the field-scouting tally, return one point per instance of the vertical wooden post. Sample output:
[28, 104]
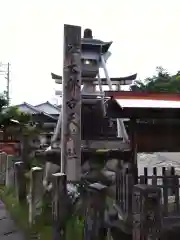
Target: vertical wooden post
[59, 206]
[170, 173]
[133, 142]
[35, 193]
[95, 228]
[20, 181]
[71, 106]
[147, 221]
[165, 192]
[176, 192]
[128, 198]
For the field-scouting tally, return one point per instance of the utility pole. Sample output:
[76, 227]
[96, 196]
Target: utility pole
[8, 84]
[6, 72]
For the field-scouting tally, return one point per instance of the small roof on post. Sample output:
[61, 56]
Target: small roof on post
[123, 104]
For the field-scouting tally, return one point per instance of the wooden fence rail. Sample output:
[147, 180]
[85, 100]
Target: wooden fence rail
[168, 182]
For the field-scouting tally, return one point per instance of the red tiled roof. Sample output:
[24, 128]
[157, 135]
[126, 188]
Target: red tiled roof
[146, 100]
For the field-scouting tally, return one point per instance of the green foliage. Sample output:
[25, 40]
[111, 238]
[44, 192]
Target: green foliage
[3, 101]
[12, 117]
[16, 114]
[161, 82]
[75, 227]
[43, 226]
[13, 113]
[19, 213]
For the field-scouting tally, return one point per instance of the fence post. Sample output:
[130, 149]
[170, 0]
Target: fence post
[35, 193]
[59, 206]
[20, 181]
[3, 160]
[176, 189]
[170, 173]
[10, 174]
[95, 228]
[147, 220]
[128, 198]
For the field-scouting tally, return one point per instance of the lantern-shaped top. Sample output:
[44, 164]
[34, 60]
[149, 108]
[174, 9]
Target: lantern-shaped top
[92, 50]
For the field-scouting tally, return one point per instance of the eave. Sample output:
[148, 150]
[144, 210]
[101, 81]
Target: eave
[124, 104]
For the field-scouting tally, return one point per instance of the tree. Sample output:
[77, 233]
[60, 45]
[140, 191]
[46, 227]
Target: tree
[13, 115]
[8, 114]
[161, 82]
[3, 101]
[22, 127]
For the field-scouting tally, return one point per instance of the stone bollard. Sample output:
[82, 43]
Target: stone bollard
[20, 181]
[147, 220]
[10, 174]
[59, 206]
[3, 161]
[95, 228]
[35, 195]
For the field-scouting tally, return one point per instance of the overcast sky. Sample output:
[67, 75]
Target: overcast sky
[145, 34]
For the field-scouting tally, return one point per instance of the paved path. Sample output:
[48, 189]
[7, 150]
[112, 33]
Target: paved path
[8, 229]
